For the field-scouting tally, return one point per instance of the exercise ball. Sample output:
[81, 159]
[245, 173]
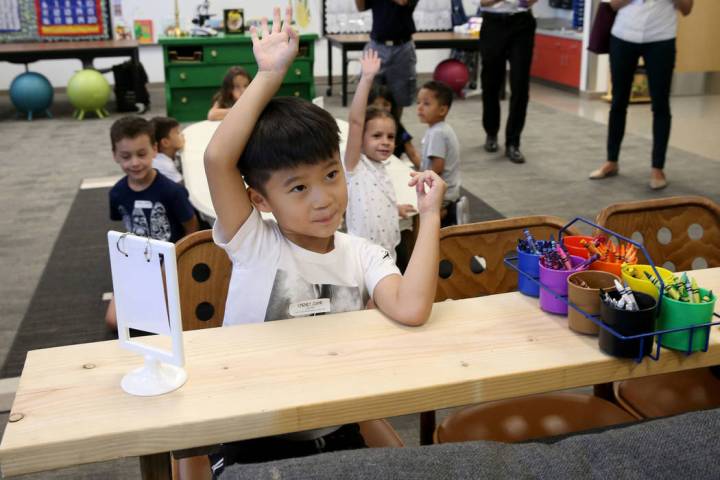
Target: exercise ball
[31, 92]
[453, 73]
[88, 91]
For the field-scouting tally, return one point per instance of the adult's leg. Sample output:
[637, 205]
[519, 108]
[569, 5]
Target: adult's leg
[623, 62]
[659, 64]
[492, 51]
[400, 74]
[520, 52]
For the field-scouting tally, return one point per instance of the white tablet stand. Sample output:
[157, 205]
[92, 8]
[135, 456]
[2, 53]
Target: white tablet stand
[145, 287]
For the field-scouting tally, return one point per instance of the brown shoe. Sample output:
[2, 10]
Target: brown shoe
[658, 183]
[601, 173]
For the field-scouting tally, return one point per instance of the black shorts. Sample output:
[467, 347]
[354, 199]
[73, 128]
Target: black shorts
[267, 449]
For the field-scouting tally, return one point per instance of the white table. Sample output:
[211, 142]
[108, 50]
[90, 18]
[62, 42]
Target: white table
[197, 137]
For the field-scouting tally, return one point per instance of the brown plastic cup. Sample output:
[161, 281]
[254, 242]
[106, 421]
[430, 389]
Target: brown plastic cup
[587, 299]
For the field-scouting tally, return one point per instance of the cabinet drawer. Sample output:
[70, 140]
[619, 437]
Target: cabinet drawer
[196, 76]
[189, 104]
[299, 71]
[295, 90]
[229, 54]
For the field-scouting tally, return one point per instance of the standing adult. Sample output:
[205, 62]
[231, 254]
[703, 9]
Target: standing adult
[644, 28]
[507, 35]
[391, 38]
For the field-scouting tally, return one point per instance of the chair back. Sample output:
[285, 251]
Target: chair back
[203, 279]
[471, 255]
[682, 233]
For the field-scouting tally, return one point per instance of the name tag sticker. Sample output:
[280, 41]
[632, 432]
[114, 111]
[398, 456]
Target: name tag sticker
[310, 307]
[143, 204]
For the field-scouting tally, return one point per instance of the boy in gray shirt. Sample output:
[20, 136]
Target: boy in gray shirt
[440, 146]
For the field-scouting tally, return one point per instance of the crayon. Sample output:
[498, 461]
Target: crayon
[695, 291]
[530, 241]
[563, 258]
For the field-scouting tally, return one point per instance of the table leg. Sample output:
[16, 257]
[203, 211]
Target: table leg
[344, 77]
[427, 427]
[328, 92]
[156, 467]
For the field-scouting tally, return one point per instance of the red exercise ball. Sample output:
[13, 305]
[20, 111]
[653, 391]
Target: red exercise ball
[453, 73]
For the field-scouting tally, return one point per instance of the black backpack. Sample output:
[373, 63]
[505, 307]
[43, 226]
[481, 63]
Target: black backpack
[131, 91]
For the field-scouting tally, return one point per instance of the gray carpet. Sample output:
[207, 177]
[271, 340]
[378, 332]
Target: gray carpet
[67, 306]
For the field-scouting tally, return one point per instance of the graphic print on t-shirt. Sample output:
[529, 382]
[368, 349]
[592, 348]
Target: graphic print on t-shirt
[137, 223]
[293, 296]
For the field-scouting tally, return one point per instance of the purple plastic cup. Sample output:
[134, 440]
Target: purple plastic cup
[556, 280]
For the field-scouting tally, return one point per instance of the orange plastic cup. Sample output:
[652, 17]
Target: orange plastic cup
[614, 268]
[572, 245]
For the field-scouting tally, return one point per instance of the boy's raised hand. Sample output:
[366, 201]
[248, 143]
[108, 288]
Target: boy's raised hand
[276, 50]
[430, 190]
[370, 63]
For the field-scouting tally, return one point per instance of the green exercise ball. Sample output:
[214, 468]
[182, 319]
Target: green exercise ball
[88, 91]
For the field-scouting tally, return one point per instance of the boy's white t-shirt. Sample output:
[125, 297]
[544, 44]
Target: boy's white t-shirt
[165, 165]
[372, 211]
[274, 279]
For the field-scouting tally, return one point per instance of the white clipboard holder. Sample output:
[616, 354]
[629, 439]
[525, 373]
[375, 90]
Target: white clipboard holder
[145, 286]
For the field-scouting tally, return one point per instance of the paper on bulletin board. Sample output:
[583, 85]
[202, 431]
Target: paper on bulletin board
[9, 16]
[69, 17]
[138, 286]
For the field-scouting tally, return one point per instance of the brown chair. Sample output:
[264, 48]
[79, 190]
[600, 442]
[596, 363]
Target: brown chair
[471, 255]
[531, 417]
[686, 232]
[463, 249]
[203, 280]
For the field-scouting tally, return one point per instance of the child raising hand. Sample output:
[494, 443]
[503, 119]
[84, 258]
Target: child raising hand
[372, 210]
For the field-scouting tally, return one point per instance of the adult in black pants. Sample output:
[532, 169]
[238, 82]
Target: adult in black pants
[391, 38]
[646, 29]
[507, 34]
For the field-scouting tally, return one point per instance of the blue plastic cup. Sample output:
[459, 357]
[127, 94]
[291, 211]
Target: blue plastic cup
[530, 264]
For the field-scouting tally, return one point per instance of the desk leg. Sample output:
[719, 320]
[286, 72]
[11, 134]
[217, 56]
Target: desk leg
[156, 467]
[344, 76]
[328, 92]
[427, 427]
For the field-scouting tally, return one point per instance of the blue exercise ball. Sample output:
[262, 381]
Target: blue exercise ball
[31, 92]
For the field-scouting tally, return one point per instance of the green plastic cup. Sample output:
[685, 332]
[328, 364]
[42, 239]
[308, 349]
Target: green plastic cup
[676, 314]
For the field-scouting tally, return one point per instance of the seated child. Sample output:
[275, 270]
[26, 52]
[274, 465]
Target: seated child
[440, 146]
[381, 97]
[287, 149]
[372, 210]
[148, 204]
[169, 140]
[233, 85]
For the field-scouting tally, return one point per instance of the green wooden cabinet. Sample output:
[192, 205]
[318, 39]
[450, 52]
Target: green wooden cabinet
[195, 67]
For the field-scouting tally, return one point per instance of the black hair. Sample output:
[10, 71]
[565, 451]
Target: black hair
[131, 126]
[374, 112]
[163, 126]
[290, 132]
[224, 97]
[443, 93]
[379, 90]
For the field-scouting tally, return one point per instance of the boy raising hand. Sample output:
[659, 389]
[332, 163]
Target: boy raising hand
[286, 149]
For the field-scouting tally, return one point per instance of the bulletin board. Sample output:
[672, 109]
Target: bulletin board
[54, 20]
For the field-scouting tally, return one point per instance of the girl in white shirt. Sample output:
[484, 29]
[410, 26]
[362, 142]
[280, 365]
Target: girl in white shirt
[644, 28]
[372, 210]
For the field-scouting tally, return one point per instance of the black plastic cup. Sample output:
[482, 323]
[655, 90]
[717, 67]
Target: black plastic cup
[628, 323]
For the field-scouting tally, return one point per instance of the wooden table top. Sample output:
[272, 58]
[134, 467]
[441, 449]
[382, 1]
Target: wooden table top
[277, 377]
[63, 46]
